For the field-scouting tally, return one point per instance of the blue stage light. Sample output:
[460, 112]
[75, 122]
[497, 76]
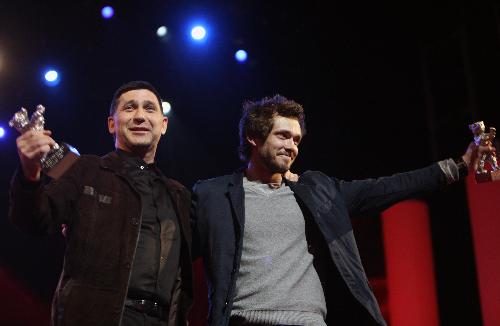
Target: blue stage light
[2, 132]
[166, 107]
[107, 12]
[198, 33]
[241, 55]
[51, 77]
[162, 31]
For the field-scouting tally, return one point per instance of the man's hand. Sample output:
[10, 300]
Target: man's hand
[31, 147]
[291, 176]
[473, 153]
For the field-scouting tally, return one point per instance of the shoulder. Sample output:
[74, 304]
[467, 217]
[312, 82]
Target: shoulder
[85, 165]
[316, 177]
[90, 159]
[213, 184]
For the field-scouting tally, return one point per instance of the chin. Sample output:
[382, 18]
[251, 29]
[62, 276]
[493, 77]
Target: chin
[141, 142]
[281, 168]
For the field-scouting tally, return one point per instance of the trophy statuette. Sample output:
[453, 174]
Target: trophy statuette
[483, 138]
[60, 157]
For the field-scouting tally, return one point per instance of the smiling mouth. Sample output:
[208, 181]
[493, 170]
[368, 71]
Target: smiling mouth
[285, 155]
[139, 130]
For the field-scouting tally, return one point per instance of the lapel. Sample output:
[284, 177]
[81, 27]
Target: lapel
[304, 193]
[115, 163]
[236, 196]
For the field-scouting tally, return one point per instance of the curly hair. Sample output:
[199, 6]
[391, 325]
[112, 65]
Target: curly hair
[258, 117]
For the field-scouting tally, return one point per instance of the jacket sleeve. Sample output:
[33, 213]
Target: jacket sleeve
[41, 207]
[364, 196]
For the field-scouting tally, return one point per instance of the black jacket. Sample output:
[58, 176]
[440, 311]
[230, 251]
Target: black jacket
[103, 212]
[218, 221]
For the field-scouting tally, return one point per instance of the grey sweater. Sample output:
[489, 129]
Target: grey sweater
[276, 282]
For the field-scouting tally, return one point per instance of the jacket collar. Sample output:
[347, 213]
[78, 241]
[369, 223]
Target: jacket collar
[115, 163]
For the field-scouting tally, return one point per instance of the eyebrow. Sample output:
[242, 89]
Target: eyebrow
[135, 103]
[288, 133]
[148, 102]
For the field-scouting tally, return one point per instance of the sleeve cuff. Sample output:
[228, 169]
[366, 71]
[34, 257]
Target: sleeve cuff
[454, 169]
[25, 183]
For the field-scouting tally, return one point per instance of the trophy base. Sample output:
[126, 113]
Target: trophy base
[484, 177]
[59, 160]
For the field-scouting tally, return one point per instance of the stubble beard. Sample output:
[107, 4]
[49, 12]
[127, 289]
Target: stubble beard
[272, 162]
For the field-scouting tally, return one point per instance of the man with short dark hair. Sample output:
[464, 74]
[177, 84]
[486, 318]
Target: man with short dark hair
[128, 258]
[279, 252]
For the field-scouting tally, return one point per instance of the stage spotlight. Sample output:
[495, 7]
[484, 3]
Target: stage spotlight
[198, 33]
[51, 77]
[2, 132]
[162, 31]
[241, 56]
[166, 107]
[107, 12]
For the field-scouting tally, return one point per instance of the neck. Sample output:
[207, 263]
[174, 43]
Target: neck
[147, 155]
[257, 172]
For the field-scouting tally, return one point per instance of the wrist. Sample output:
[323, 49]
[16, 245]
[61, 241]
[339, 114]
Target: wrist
[32, 175]
[462, 165]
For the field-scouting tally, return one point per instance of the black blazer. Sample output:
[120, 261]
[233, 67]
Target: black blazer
[218, 221]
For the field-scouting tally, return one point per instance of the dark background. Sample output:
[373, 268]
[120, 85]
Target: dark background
[387, 87]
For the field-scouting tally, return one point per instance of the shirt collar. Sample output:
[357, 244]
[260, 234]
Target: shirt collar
[135, 161]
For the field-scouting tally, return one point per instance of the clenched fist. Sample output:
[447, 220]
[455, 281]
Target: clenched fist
[31, 147]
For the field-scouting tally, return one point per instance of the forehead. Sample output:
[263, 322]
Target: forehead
[289, 124]
[139, 95]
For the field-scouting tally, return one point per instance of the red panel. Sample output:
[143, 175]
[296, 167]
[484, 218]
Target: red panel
[484, 206]
[411, 288]
[199, 311]
[18, 306]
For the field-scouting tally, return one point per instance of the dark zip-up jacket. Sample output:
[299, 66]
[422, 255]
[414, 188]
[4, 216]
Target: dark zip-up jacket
[103, 213]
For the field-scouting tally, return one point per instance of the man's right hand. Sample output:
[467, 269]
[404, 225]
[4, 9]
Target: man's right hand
[31, 147]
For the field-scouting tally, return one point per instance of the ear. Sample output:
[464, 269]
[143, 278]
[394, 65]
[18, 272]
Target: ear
[164, 125]
[111, 125]
[252, 141]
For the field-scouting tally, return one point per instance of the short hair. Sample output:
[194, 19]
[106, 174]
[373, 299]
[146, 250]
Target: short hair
[258, 117]
[130, 86]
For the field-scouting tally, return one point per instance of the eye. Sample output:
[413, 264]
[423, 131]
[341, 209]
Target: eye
[128, 107]
[281, 136]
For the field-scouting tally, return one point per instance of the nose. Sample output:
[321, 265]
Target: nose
[290, 145]
[139, 115]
